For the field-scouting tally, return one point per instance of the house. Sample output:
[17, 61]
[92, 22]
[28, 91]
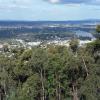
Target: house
[1, 47]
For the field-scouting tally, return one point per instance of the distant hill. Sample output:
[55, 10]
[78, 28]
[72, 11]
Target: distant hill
[88, 21]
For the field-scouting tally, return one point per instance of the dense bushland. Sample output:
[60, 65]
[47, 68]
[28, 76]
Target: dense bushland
[51, 73]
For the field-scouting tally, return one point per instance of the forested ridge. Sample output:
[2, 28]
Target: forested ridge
[51, 73]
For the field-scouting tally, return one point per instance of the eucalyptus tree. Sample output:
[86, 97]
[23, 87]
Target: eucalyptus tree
[56, 64]
[39, 66]
[6, 81]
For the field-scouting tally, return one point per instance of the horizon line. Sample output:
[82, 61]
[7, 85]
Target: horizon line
[49, 20]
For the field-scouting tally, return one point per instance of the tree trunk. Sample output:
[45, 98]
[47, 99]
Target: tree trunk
[58, 95]
[59, 92]
[1, 94]
[56, 86]
[45, 96]
[42, 83]
[75, 94]
[85, 67]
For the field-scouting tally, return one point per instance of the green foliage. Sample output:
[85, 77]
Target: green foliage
[98, 28]
[98, 32]
[52, 73]
[30, 89]
[74, 44]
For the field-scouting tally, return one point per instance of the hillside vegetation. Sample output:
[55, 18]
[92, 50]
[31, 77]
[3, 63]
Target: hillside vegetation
[51, 73]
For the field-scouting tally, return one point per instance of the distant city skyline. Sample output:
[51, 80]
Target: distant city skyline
[49, 10]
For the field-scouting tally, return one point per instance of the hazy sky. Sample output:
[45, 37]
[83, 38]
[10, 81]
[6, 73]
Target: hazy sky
[49, 9]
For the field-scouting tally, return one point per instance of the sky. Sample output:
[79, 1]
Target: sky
[55, 10]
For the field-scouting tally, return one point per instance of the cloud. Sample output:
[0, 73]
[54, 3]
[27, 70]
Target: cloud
[88, 2]
[14, 4]
[54, 1]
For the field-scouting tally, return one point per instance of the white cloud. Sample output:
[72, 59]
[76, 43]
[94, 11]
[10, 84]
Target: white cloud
[89, 2]
[14, 4]
[54, 1]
